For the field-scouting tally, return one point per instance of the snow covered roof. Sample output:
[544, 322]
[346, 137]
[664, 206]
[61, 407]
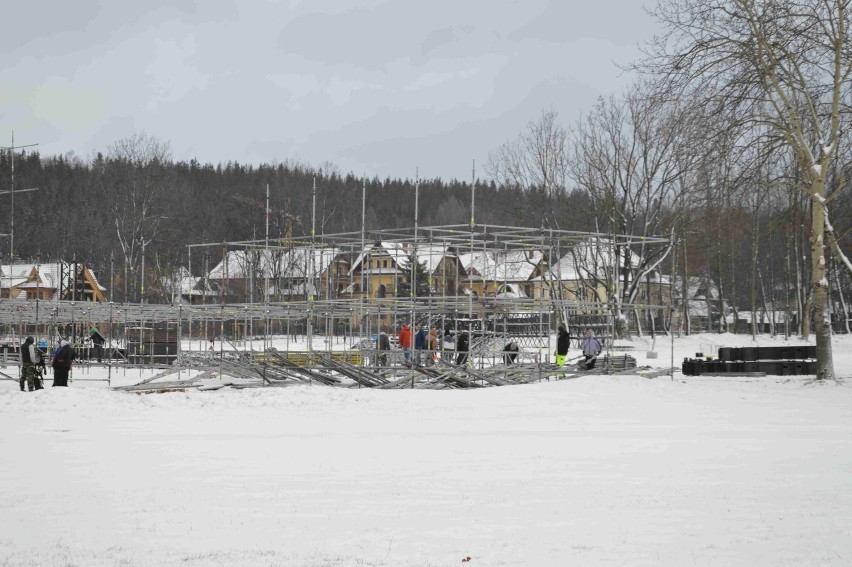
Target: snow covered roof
[183, 283]
[586, 260]
[49, 275]
[429, 254]
[511, 265]
[698, 287]
[287, 264]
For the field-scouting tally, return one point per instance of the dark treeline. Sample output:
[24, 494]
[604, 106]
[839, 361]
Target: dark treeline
[100, 212]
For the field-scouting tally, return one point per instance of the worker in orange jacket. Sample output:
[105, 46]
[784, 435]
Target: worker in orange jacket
[405, 342]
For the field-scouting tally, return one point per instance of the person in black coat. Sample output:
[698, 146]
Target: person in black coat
[62, 359]
[563, 339]
[510, 353]
[31, 360]
[462, 346]
[98, 341]
[383, 346]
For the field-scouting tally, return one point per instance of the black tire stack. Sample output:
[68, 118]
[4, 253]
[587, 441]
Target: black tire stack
[779, 361]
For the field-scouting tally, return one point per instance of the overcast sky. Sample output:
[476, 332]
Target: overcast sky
[375, 87]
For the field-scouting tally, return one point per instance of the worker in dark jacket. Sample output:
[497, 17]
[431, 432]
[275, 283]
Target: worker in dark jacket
[419, 344]
[462, 346]
[563, 339]
[98, 341]
[510, 353]
[383, 346]
[31, 360]
[62, 359]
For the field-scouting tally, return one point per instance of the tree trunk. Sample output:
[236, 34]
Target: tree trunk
[723, 319]
[755, 239]
[787, 285]
[802, 293]
[845, 313]
[685, 293]
[822, 321]
[766, 311]
[733, 287]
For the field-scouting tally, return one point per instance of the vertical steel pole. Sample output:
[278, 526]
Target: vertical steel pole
[469, 268]
[12, 212]
[412, 292]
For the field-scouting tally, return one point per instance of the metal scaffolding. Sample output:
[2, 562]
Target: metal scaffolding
[354, 318]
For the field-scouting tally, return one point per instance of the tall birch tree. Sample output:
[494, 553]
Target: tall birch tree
[788, 62]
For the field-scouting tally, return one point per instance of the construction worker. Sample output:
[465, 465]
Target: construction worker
[563, 339]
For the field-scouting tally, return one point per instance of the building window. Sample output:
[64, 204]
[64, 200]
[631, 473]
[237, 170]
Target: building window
[381, 291]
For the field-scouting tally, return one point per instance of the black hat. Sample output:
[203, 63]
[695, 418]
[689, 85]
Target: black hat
[29, 340]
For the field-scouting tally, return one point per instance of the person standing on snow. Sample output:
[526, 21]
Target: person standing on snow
[97, 341]
[30, 360]
[383, 346]
[419, 343]
[62, 359]
[462, 346]
[591, 349]
[447, 346]
[405, 342]
[563, 339]
[431, 346]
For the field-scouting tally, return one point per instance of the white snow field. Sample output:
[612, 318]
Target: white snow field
[595, 470]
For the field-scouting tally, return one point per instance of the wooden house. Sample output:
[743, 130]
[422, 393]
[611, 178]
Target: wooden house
[50, 281]
[380, 268]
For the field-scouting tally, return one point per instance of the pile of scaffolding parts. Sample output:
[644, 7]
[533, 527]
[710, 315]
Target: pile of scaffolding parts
[338, 369]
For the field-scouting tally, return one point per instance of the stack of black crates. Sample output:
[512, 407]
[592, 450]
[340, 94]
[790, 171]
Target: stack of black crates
[780, 361]
[154, 345]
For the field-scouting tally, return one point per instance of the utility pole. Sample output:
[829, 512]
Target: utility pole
[472, 225]
[412, 291]
[362, 284]
[11, 192]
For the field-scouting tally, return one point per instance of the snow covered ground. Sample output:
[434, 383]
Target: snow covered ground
[590, 471]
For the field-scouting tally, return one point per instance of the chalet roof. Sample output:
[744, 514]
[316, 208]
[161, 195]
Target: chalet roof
[429, 254]
[698, 287]
[47, 276]
[183, 283]
[510, 266]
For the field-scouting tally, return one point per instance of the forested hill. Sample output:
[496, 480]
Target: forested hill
[108, 206]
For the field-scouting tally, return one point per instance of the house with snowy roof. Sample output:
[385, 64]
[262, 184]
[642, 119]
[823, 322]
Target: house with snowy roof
[183, 287]
[379, 269]
[290, 274]
[591, 269]
[50, 281]
[503, 273]
[702, 303]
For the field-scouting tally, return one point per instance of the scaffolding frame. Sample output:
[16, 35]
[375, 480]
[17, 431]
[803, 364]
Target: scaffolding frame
[362, 317]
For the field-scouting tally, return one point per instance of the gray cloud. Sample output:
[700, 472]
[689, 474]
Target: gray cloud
[380, 88]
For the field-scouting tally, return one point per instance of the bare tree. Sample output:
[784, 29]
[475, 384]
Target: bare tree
[789, 62]
[630, 156]
[536, 159]
[136, 178]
